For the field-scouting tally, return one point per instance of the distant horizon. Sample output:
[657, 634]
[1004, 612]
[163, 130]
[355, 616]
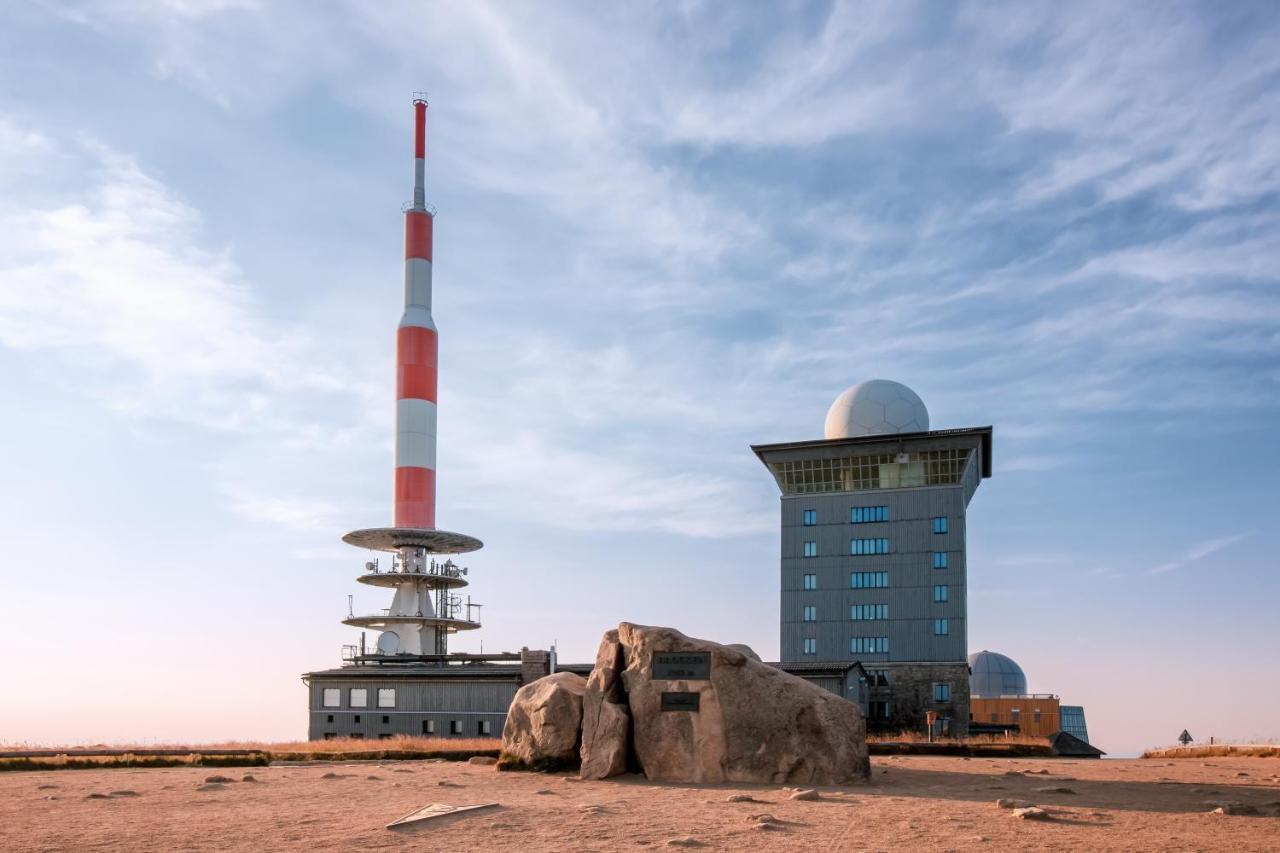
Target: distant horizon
[664, 235]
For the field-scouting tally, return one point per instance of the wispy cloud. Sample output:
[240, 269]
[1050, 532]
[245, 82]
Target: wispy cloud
[1198, 552]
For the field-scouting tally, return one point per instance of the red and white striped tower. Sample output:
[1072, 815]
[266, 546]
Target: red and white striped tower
[416, 349]
[425, 610]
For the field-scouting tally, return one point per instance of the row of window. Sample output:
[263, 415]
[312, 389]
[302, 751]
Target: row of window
[865, 547]
[871, 514]
[941, 692]
[483, 727]
[857, 645]
[868, 514]
[868, 546]
[856, 612]
[357, 697]
[876, 580]
[869, 611]
[869, 645]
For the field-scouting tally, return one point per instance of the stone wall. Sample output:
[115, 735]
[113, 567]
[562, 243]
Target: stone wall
[534, 664]
[910, 694]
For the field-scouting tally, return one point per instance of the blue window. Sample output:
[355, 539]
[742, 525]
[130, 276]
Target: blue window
[810, 517]
[940, 524]
[868, 580]
[939, 559]
[941, 627]
[868, 611]
[868, 514]
[810, 646]
[811, 549]
[941, 692]
[869, 645]
[861, 547]
[810, 613]
[940, 592]
[810, 581]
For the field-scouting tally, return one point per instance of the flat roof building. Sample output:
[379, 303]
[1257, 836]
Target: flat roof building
[873, 562]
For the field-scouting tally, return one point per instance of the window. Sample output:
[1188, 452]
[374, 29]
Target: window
[939, 559]
[940, 524]
[455, 727]
[810, 613]
[385, 736]
[1035, 715]
[428, 727]
[359, 697]
[330, 720]
[868, 580]
[386, 697]
[483, 727]
[356, 736]
[869, 645]
[1016, 714]
[810, 517]
[941, 628]
[995, 718]
[330, 735]
[873, 471]
[940, 592]
[386, 720]
[868, 611]
[868, 546]
[868, 514]
[879, 709]
[356, 719]
[811, 549]
[331, 697]
[878, 677]
[810, 581]
[941, 692]
[810, 646]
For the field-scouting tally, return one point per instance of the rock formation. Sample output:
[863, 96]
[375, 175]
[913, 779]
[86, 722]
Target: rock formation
[753, 723]
[606, 719]
[544, 724]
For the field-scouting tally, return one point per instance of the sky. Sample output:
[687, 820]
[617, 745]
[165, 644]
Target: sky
[665, 232]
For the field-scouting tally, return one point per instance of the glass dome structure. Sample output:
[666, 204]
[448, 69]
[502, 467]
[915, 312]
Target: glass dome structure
[994, 675]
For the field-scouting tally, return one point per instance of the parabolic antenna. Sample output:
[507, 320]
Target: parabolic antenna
[388, 643]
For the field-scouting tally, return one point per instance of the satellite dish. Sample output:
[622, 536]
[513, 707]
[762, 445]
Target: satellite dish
[388, 643]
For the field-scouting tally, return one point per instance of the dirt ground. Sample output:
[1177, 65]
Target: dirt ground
[911, 804]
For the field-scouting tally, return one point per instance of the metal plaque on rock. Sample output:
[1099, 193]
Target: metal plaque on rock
[682, 666]
[681, 701]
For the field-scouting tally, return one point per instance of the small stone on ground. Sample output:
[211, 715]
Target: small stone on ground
[1032, 813]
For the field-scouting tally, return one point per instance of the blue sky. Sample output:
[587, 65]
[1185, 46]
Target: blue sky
[666, 231]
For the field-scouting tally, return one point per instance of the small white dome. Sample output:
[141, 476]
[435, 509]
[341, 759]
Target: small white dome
[876, 407]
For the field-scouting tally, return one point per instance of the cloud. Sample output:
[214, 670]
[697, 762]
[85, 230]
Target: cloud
[1199, 552]
[115, 281]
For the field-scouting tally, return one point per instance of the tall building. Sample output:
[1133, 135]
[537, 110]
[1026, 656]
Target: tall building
[873, 552]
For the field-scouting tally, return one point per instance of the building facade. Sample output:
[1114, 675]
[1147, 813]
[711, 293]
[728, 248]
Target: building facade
[873, 562]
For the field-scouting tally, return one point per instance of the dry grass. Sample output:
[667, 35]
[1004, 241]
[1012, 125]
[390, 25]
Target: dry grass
[1217, 750]
[977, 740]
[241, 753]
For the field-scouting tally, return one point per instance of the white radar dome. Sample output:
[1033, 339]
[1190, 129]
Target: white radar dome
[876, 407]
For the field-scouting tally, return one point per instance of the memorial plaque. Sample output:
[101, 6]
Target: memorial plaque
[682, 666]
[680, 701]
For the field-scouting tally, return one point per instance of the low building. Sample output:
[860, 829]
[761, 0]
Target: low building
[1000, 704]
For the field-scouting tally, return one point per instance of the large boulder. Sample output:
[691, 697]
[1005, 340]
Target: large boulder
[606, 720]
[754, 723]
[544, 724]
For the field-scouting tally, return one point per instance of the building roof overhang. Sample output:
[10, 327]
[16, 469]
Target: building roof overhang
[889, 441]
